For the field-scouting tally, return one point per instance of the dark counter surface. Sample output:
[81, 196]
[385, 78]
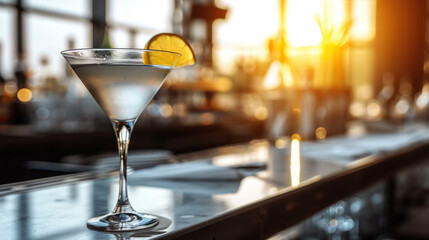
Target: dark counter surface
[24, 143]
[246, 191]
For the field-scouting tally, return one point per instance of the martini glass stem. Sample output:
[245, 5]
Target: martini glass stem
[123, 131]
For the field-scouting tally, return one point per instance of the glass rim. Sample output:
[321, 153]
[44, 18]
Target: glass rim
[69, 52]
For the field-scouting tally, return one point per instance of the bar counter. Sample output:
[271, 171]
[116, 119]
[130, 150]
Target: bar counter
[246, 191]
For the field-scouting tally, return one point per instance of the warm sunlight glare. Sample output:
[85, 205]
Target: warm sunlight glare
[279, 74]
[261, 113]
[301, 26]
[363, 18]
[295, 158]
[320, 133]
[281, 143]
[243, 34]
[10, 88]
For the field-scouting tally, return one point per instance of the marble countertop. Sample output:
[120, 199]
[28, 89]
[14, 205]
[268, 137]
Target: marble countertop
[243, 191]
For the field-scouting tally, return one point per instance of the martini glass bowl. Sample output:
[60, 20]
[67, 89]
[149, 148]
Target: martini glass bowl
[122, 81]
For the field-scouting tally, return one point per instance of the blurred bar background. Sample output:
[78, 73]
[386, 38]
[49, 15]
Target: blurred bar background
[270, 69]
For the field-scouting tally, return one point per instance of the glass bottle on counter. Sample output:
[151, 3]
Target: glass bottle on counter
[19, 108]
[75, 89]
[422, 104]
[403, 111]
[106, 40]
[386, 95]
[4, 105]
[2, 80]
[307, 120]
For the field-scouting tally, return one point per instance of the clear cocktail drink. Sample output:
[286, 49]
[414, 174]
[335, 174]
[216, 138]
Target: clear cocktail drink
[122, 81]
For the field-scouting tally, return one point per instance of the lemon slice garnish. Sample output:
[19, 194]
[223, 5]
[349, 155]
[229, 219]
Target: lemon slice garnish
[169, 42]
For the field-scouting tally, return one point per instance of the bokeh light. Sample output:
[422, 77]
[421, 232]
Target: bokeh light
[295, 158]
[320, 133]
[24, 95]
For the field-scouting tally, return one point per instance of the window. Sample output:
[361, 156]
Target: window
[133, 22]
[51, 41]
[78, 8]
[141, 14]
[7, 33]
[244, 32]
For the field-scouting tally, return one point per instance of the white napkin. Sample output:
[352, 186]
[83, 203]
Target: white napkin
[195, 170]
[346, 149]
[332, 151]
[136, 159]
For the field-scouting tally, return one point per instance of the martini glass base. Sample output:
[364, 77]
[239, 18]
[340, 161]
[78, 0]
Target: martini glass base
[120, 222]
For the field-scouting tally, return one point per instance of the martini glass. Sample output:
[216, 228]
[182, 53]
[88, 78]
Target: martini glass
[122, 81]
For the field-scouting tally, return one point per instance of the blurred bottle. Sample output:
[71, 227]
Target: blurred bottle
[403, 111]
[308, 102]
[4, 103]
[2, 80]
[21, 74]
[386, 96]
[47, 80]
[75, 89]
[106, 43]
[2, 83]
[19, 108]
[422, 104]
[106, 40]
[70, 76]
[178, 17]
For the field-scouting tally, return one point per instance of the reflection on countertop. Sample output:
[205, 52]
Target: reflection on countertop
[60, 206]
[67, 206]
